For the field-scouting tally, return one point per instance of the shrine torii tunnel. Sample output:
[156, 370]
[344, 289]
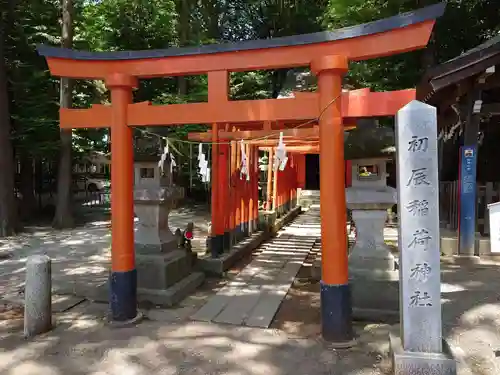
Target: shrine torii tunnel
[326, 53]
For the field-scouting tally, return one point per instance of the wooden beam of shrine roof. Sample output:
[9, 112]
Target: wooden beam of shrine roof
[374, 104]
[269, 134]
[394, 35]
[297, 133]
[292, 142]
[304, 149]
[470, 63]
[289, 124]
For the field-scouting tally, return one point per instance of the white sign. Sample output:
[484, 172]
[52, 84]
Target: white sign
[494, 212]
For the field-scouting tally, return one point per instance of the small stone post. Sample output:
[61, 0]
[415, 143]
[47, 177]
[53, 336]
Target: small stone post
[421, 349]
[38, 296]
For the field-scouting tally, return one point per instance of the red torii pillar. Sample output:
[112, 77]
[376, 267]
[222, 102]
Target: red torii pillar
[224, 163]
[301, 171]
[275, 188]
[238, 186]
[270, 184]
[244, 194]
[217, 235]
[256, 189]
[123, 281]
[233, 196]
[336, 311]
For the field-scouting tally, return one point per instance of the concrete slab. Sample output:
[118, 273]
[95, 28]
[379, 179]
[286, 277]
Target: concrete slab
[272, 296]
[242, 304]
[218, 302]
[254, 296]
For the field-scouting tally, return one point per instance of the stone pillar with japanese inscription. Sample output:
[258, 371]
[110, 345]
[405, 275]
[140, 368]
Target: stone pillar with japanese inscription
[420, 348]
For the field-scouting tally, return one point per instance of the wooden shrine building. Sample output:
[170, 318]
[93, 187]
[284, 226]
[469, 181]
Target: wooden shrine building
[466, 92]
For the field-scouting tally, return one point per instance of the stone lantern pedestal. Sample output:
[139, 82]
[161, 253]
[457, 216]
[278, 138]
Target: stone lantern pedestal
[370, 254]
[373, 270]
[152, 207]
[164, 271]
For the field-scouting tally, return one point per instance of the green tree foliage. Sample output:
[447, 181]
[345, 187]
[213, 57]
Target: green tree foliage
[111, 25]
[465, 24]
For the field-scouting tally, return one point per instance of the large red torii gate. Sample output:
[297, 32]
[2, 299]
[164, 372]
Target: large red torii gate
[327, 53]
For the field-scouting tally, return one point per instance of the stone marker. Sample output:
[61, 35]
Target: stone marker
[423, 350]
[37, 296]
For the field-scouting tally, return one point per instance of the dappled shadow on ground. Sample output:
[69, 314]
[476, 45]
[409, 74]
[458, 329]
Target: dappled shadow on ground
[470, 311]
[171, 344]
[81, 344]
[80, 257]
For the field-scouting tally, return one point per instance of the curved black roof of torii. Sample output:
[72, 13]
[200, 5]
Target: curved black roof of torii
[399, 21]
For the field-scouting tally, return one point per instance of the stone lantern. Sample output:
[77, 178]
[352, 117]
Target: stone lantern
[164, 272]
[369, 198]
[155, 195]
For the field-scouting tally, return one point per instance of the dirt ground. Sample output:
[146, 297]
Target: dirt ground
[167, 342]
[471, 321]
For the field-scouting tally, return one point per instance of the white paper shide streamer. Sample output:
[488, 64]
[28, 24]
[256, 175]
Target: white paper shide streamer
[166, 154]
[204, 170]
[280, 158]
[244, 163]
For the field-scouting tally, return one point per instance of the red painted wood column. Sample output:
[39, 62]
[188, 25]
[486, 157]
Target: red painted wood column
[270, 183]
[123, 282]
[250, 185]
[244, 198]
[218, 93]
[301, 171]
[296, 180]
[336, 307]
[278, 180]
[217, 235]
[275, 188]
[293, 181]
[293, 194]
[283, 187]
[224, 193]
[284, 190]
[232, 193]
[301, 175]
[239, 197]
[256, 188]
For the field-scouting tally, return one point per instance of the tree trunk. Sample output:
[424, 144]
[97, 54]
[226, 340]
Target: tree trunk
[27, 187]
[428, 57]
[64, 215]
[8, 207]
[183, 31]
[277, 81]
